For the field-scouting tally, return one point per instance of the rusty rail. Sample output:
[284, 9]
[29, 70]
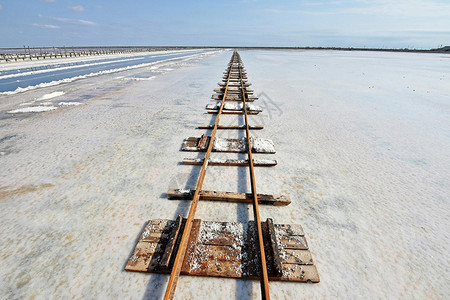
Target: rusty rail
[175, 274]
[264, 277]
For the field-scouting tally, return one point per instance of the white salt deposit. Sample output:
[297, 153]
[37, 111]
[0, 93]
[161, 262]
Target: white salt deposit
[213, 106]
[141, 78]
[50, 96]
[27, 103]
[258, 145]
[220, 144]
[253, 107]
[264, 161]
[233, 105]
[69, 103]
[366, 169]
[225, 144]
[32, 109]
[262, 145]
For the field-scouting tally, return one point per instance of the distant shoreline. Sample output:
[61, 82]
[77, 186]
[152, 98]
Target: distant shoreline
[438, 50]
[42, 53]
[445, 49]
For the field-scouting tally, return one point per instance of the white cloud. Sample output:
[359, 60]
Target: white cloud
[77, 8]
[46, 26]
[85, 22]
[74, 21]
[1, 6]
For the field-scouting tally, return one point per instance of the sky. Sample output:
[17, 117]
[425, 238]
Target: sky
[420, 24]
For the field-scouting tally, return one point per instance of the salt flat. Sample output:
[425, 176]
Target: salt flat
[363, 150]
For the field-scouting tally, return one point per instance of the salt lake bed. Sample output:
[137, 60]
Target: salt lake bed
[363, 149]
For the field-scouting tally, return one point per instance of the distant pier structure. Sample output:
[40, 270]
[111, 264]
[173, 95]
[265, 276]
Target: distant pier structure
[28, 53]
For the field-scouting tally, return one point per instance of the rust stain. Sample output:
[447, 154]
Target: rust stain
[6, 192]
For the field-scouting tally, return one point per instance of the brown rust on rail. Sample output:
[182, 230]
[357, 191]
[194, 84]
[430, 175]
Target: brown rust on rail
[174, 275]
[264, 276]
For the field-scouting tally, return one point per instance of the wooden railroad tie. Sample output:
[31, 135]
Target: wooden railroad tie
[223, 84]
[233, 127]
[234, 90]
[276, 200]
[231, 162]
[232, 97]
[259, 145]
[225, 249]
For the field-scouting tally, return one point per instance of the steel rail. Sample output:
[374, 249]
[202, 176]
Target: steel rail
[264, 277]
[175, 274]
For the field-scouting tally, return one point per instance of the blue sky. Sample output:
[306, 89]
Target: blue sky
[340, 23]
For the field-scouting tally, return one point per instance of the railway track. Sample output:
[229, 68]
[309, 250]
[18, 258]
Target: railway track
[257, 250]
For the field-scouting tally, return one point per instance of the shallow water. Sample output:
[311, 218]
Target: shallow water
[10, 80]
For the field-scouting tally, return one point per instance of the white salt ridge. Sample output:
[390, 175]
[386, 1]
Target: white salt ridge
[32, 109]
[50, 96]
[140, 78]
[69, 103]
[44, 97]
[27, 103]
[66, 68]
